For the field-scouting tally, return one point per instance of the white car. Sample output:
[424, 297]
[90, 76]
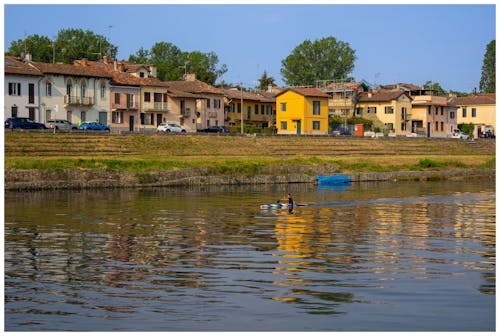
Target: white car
[169, 127]
[457, 134]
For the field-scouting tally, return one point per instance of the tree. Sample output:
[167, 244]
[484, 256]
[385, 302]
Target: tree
[40, 47]
[326, 58]
[436, 87]
[171, 62]
[487, 83]
[69, 45]
[265, 81]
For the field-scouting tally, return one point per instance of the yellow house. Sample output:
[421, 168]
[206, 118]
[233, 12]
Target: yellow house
[477, 109]
[302, 111]
[389, 109]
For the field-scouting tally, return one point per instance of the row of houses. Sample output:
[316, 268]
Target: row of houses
[129, 97]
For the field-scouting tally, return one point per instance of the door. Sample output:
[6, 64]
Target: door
[131, 123]
[103, 118]
[428, 129]
[31, 94]
[299, 127]
[159, 117]
[31, 112]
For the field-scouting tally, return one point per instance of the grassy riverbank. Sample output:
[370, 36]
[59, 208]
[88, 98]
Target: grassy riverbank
[237, 155]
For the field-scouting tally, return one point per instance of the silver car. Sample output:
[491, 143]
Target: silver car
[61, 124]
[169, 127]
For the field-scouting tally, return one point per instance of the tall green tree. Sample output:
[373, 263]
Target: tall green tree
[69, 45]
[171, 62]
[265, 81]
[487, 82]
[326, 58]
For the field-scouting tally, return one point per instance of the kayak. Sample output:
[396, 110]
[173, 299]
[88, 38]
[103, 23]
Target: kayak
[280, 205]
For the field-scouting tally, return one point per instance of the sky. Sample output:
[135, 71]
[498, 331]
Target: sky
[393, 43]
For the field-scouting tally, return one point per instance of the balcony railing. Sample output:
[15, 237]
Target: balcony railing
[77, 100]
[158, 107]
[127, 105]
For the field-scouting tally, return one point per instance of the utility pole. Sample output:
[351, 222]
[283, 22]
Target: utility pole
[241, 110]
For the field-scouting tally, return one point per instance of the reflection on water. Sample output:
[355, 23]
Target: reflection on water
[379, 256]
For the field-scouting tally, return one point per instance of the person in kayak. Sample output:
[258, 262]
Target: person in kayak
[290, 202]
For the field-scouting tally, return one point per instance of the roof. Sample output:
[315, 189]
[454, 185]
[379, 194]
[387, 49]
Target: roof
[15, 66]
[72, 70]
[306, 92]
[479, 99]
[194, 86]
[411, 87]
[341, 86]
[238, 94]
[381, 95]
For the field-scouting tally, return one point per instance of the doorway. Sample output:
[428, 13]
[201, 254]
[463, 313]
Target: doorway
[299, 127]
[131, 123]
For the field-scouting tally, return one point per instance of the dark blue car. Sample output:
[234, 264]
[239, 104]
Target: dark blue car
[93, 126]
[24, 123]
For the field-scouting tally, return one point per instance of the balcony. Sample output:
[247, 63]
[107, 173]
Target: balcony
[157, 107]
[340, 102]
[77, 100]
[125, 106]
[185, 112]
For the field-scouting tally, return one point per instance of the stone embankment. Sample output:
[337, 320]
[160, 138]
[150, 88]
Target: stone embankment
[39, 179]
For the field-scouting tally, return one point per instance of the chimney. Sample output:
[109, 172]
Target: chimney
[28, 57]
[121, 67]
[370, 93]
[270, 88]
[191, 77]
[105, 59]
[115, 65]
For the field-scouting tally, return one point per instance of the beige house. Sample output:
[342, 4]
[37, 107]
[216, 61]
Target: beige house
[433, 116]
[479, 110]
[390, 110]
[209, 109]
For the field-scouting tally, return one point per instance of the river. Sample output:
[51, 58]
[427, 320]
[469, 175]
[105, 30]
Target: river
[415, 256]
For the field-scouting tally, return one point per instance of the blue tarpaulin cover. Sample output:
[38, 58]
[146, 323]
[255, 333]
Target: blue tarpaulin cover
[334, 179]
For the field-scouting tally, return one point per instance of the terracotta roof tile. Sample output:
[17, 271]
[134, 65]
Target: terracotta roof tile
[195, 86]
[381, 95]
[482, 98]
[13, 65]
[72, 70]
[307, 92]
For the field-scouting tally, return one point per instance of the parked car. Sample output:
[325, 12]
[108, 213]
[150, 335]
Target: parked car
[457, 134]
[488, 134]
[216, 129]
[61, 124]
[94, 126]
[341, 131]
[24, 123]
[169, 127]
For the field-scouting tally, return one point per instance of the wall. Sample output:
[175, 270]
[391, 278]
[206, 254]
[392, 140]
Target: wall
[21, 101]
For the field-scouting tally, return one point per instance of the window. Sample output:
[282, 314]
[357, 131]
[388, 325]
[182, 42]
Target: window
[283, 125]
[359, 110]
[103, 90]
[428, 110]
[239, 107]
[84, 89]
[141, 74]
[452, 114]
[388, 110]
[14, 111]
[157, 97]
[48, 115]
[436, 109]
[256, 108]
[464, 112]
[473, 112]
[442, 110]
[216, 103]
[269, 110]
[262, 109]
[83, 116]
[403, 113]
[437, 126]
[403, 126]
[372, 110]
[283, 107]
[316, 109]
[130, 100]
[208, 103]
[48, 89]
[147, 96]
[117, 118]
[442, 126]
[249, 112]
[117, 98]
[14, 89]
[31, 93]
[390, 126]
[231, 107]
[316, 125]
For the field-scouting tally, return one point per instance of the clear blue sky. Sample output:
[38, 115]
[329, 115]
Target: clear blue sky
[393, 43]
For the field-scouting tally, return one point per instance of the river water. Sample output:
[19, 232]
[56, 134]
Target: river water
[368, 257]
